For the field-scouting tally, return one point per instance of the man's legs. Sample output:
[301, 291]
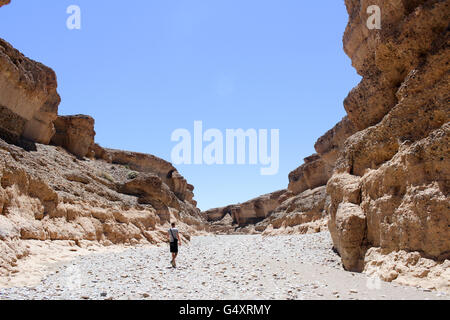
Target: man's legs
[174, 255]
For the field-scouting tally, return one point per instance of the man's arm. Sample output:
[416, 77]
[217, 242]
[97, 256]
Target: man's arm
[179, 239]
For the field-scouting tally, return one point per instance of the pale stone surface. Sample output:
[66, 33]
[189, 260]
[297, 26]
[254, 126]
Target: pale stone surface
[299, 267]
[28, 97]
[399, 160]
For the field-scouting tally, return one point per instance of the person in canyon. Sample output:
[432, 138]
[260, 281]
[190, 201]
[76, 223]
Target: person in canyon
[174, 239]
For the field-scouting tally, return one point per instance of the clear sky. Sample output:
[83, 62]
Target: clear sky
[144, 68]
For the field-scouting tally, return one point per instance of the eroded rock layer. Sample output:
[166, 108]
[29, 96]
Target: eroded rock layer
[50, 194]
[28, 97]
[75, 192]
[229, 218]
[390, 188]
[386, 165]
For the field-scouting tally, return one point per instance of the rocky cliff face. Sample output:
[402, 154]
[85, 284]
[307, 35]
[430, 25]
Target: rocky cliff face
[299, 209]
[28, 97]
[386, 165]
[228, 219]
[74, 190]
[75, 134]
[49, 194]
[390, 188]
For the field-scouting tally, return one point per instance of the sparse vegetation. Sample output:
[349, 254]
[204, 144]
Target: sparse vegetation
[132, 175]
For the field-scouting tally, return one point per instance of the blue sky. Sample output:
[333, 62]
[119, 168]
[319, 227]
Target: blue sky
[144, 68]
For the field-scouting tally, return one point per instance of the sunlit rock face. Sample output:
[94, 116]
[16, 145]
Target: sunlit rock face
[28, 97]
[390, 187]
[74, 191]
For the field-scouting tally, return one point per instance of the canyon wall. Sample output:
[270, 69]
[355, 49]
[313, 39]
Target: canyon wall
[57, 185]
[390, 188]
[301, 208]
[228, 219]
[381, 176]
[28, 97]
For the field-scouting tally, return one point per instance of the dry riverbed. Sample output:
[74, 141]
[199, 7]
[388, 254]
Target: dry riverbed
[215, 267]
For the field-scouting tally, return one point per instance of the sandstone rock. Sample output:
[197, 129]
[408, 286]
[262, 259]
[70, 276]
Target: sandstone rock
[151, 164]
[28, 98]
[151, 190]
[305, 213]
[408, 268]
[312, 174]
[347, 228]
[390, 182]
[45, 195]
[406, 200]
[75, 134]
[249, 212]
[330, 144]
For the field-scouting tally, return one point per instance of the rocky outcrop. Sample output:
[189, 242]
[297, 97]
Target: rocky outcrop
[300, 214]
[75, 191]
[28, 97]
[249, 212]
[390, 188]
[276, 213]
[318, 168]
[302, 207]
[147, 163]
[312, 174]
[329, 145]
[75, 134]
[50, 195]
[4, 2]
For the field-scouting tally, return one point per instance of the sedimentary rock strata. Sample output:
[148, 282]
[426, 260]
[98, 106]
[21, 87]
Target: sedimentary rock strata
[300, 214]
[312, 174]
[75, 134]
[75, 191]
[28, 97]
[386, 164]
[249, 212]
[51, 195]
[390, 189]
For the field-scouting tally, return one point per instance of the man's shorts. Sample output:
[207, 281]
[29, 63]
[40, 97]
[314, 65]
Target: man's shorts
[174, 247]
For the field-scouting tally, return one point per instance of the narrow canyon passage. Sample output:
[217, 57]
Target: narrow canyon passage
[217, 267]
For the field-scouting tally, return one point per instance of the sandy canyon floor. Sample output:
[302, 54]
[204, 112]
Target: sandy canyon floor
[211, 267]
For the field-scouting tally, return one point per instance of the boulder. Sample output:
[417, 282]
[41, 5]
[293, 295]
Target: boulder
[249, 212]
[75, 134]
[28, 97]
[347, 228]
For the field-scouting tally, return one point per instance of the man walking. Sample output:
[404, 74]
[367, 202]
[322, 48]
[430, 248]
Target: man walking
[174, 238]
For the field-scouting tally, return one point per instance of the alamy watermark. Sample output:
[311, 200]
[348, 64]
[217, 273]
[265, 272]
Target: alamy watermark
[373, 283]
[229, 148]
[374, 20]
[74, 19]
[73, 277]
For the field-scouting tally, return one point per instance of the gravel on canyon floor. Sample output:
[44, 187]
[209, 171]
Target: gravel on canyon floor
[217, 267]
